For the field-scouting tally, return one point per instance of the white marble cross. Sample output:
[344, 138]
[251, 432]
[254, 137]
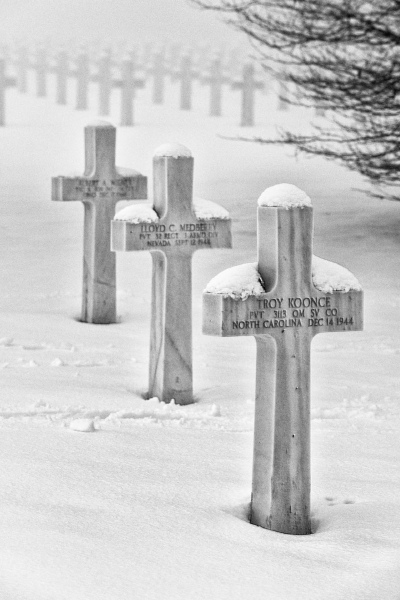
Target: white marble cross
[172, 231]
[128, 84]
[100, 187]
[301, 296]
[215, 79]
[186, 76]
[248, 85]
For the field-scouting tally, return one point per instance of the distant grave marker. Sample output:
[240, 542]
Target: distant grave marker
[128, 84]
[186, 76]
[100, 187]
[172, 231]
[215, 79]
[248, 86]
[301, 297]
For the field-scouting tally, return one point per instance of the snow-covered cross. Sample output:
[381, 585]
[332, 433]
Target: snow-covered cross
[100, 187]
[186, 75]
[215, 78]
[128, 84]
[248, 85]
[172, 230]
[284, 301]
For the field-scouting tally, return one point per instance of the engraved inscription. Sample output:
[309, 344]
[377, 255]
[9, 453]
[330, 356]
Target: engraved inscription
[173, 234]
[283, 313]
[124, 187]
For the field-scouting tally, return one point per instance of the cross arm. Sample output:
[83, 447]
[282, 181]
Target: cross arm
[137, 83]
[205, 78]
[273, 313]
[165, 234]
[236, 85]
[175, 73]
[215, 233]
[127, 185]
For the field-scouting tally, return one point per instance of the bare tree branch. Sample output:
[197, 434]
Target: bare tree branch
[342, 56]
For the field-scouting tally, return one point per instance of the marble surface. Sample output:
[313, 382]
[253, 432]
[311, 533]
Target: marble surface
[100, 188]
[172, 240]
[284, 321]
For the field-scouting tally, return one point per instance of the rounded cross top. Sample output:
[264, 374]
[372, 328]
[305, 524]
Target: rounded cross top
[100, 124]
[284, 195]
[172, 151]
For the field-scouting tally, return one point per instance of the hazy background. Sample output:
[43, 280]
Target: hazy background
[112, 20]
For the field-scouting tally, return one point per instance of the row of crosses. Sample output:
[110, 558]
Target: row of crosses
[130, 79]
[281, 465]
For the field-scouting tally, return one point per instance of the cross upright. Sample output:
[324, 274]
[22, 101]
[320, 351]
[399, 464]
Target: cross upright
[302, 296]
[173, 233]
[128, 84]
[248, 85]
[215, 79]
[100, 187]
[186, 76]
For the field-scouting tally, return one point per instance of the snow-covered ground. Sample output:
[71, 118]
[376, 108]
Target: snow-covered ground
[153, 504]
